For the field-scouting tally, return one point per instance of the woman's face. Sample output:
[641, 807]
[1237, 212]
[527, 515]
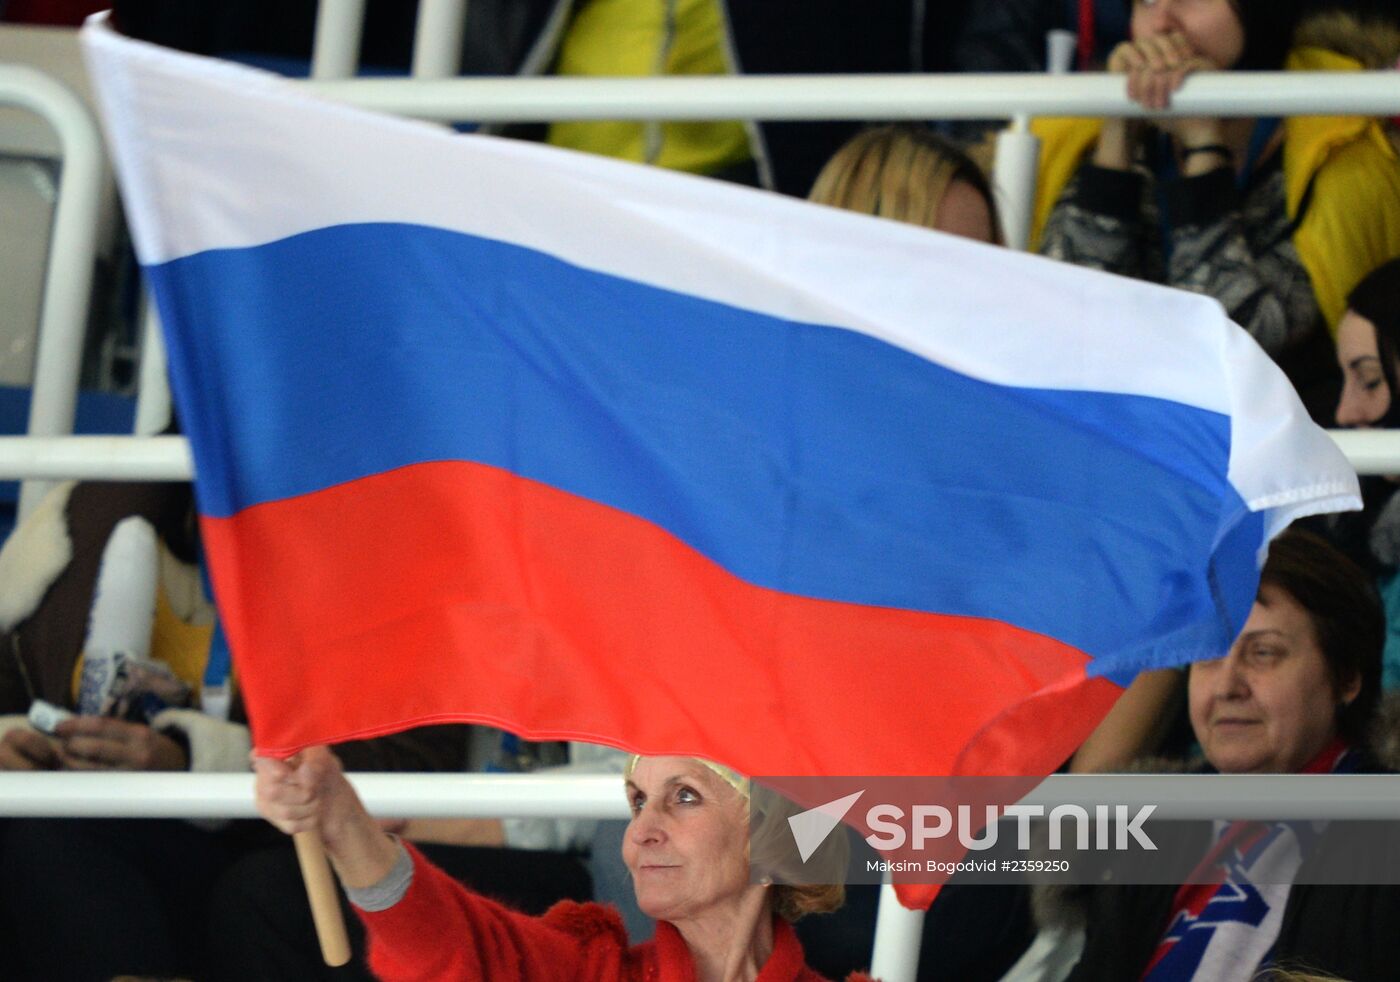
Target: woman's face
[1268, 706]
[1211, 26]
[1365, 392]
[686, 844]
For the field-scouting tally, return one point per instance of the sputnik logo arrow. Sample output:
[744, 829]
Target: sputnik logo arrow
[810, 828]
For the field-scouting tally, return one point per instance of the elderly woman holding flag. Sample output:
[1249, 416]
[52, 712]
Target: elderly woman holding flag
[686, 848]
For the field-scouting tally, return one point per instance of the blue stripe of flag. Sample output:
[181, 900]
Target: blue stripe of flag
[803, 458]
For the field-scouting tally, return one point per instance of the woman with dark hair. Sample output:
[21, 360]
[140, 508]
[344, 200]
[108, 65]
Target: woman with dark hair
[1277, 219]
[1368, 353]
[1333, 639]
[1368, 350]
[1296, 694]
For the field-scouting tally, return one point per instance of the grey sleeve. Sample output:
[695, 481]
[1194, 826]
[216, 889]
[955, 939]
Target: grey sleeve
[389, 890]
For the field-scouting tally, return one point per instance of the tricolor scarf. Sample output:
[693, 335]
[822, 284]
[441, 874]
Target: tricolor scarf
[1226, 918]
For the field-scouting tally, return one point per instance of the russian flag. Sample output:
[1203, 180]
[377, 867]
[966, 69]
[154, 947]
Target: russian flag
[492, 432]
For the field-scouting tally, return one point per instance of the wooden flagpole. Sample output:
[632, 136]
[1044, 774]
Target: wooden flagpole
[325, 905]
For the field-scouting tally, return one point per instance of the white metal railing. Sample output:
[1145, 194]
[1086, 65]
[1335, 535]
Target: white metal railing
[1248, 797]
[1370, 451]
[92, 458]
[72, 253]
[167, 458]
[141, 795]
[809, 97]
[818, 97]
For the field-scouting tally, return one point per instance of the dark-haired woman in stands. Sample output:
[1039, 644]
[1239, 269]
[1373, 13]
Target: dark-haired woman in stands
[1297, 693]
[1368, 352]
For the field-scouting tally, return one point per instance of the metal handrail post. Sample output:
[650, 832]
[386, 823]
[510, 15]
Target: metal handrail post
[72, 254]
[899, 938]
[1015, 170]
[340, 24]
[437, 40]
[153, 407]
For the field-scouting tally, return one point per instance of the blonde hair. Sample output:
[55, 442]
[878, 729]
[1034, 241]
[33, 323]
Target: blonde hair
[728, 775]
[898, 172]
[1295, 975]
[771, 856]
[792, 903]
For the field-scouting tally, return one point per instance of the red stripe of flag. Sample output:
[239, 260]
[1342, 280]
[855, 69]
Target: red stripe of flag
[527, 604]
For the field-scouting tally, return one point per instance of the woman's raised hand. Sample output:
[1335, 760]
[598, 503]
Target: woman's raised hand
[309, 793]
[1156, 66]
[306, 793]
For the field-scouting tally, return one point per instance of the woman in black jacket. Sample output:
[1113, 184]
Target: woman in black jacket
[1296, 693]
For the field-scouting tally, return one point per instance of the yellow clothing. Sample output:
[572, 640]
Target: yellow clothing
[1355, 174]
[182, 629]
[1352, 221]
[180, 644]
[1064, 143]
[650, 37]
